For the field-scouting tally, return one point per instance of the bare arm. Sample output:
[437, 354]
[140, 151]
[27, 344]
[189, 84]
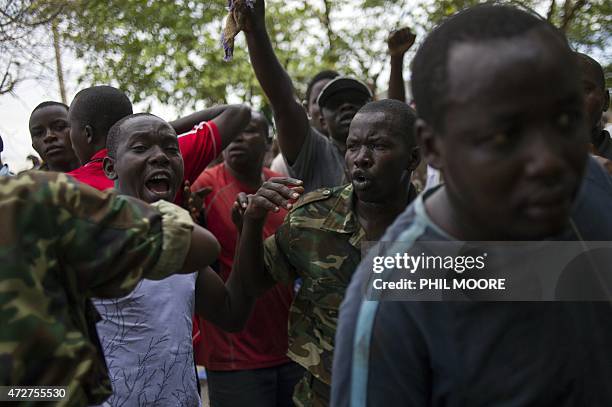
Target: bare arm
[249, 214]
[290, 116]
[203, 250]
[229, 305]
[231, 120]
[399, 42]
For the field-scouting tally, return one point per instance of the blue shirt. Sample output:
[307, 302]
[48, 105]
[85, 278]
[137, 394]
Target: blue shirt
[394, 353]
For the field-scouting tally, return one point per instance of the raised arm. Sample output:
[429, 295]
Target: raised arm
[291, 118]
[399, 43]
[231, 120]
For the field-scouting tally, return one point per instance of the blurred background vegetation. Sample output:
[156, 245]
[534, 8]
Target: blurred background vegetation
[170, 50]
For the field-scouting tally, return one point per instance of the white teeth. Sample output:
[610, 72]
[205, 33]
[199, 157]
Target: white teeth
[159, 177]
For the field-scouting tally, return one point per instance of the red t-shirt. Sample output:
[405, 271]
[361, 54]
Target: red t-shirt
[263, 342]
[198, 147]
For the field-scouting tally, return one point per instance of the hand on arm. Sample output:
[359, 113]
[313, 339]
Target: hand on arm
[249, 215]
[399, 42]
[290, 116]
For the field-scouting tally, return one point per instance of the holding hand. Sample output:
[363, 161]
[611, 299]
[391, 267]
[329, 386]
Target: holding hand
[400, 41]
[274, 194]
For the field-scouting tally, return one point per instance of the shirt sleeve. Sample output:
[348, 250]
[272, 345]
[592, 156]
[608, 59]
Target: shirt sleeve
[107, 243]
[199, 148]
[276, 256]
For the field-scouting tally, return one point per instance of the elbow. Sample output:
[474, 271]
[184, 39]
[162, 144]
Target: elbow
[242, 113]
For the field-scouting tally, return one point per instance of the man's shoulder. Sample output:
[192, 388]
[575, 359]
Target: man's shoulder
[319, 201]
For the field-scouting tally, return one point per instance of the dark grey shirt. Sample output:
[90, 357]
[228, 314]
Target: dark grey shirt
[393, 353]
[319, 164]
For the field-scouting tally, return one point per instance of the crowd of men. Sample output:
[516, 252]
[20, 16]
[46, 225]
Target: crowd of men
[111, 289]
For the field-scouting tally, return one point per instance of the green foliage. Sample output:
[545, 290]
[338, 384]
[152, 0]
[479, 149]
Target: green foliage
[171, 49]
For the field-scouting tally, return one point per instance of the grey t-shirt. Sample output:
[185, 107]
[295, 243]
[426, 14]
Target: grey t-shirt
[146, 340]
[319, 164]
[402, 353]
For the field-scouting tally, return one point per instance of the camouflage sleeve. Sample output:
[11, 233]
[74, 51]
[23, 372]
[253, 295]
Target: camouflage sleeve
[105, 243]
[277, 254]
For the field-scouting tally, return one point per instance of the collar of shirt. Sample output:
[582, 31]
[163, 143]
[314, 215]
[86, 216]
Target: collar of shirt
[342, 218]
[97, 157]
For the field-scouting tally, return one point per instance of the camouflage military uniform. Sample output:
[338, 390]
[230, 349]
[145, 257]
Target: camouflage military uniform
[318, 242]
[61, 243]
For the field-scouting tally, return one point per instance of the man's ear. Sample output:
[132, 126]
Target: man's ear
[89, 134]
[606, 100]
[305, 106]
[323, 122]
[414, 158]
[109, 168]
[429, 143]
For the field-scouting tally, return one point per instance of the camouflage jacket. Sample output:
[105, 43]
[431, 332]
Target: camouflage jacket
[61, 243]
[319, 242]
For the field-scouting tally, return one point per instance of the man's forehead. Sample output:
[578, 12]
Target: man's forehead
[365, 123]
[477, 68]
[145, 124]
[49, 112]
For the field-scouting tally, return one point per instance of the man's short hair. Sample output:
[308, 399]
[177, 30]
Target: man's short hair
[100, 107]
[326, 74]
[114, 133]
[599, 72]
[400, 116]
[48, 103]
[476, 24]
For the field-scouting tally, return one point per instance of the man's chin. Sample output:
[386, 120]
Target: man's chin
[152, 197]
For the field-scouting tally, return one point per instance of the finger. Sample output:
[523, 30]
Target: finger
[283, 190]
[204, 191]
[286, 181]
[258, 201]
[275, 197]
[242, 200]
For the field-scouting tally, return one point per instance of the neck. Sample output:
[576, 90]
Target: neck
[66, 167]
[449, 218]
[249, 177]
[376, 217]
[341, 144]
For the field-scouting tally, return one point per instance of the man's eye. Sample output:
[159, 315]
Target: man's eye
[139, 148]
[380, 146]
[567, 120]
[500, 139]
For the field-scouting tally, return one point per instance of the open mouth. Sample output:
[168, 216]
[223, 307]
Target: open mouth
[159, 184]
[360, 180]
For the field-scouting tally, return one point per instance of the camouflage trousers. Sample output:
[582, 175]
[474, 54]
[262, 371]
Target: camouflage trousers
[311, 392]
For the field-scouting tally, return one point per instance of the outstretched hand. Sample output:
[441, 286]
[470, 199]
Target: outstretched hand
[400, 41]
[193, 201]
[274, 194]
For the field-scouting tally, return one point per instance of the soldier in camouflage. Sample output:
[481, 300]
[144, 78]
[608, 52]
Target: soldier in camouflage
[320, 239]
[61, 243]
